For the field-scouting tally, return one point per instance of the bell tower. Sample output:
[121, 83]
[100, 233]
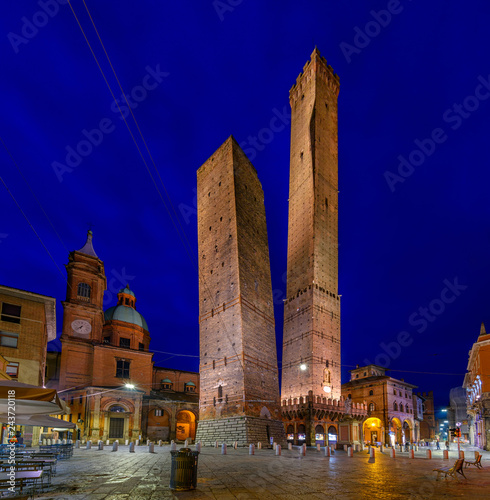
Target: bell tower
[311, 344]
[83, 315]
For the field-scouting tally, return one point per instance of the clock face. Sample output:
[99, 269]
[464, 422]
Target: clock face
[81, 327]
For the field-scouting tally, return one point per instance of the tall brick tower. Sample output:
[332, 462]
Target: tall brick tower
[311, 345]
[239, 386]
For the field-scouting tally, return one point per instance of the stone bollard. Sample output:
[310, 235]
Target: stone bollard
[274, 445]
[139, 438]
[186, 443]
[369, 449]
[400, 448]
[259, 445]
[216, 444]
[131, 447]
[303, 450]
[64, 441]
[89, 445]
[290, 446]
[44, 442]
[223, 449]
[445, 455]
[173, 446]
[318, 447]
[137, 442]
[332, 449]
[160, 442]
[107, 443]
[461, 454]
[198, 447]
[393, 453]
[251, 449]
[101, 445]
[127, 442]
[115, 446]
[60, 442]
[77, 443]
[428, 454]
[372, 452]
[235, 445]
[345, 447]
[48, 442]
[350, 451]
[327, 451]
[411, 454]
[151, 448]
[278, 450]
[148, 443]
[381, 449]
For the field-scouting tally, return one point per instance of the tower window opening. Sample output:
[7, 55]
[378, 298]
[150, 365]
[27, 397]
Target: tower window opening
[220, 393]
[83, 290]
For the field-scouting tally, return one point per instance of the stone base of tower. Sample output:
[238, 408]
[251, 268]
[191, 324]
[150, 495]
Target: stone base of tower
[244, 430]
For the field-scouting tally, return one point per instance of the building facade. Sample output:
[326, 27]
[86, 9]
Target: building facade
[312, 405]
[239, 394]
[389, 402]
[27, 324]
[477, 385]
[457, 412]
[106, 372]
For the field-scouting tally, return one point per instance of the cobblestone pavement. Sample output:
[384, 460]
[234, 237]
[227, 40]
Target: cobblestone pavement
[94, 474]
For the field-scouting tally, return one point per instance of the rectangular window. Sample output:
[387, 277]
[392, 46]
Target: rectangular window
[107, 340]
[71, 400]
[79, 417]
[158, 413]
[70, 417]
[13, 369]
[10, 313]
[125, 343]
[80, 399]
[8, 339]
[141, 347]
[122, 370]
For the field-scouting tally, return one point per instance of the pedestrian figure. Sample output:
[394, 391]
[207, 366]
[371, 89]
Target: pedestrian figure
[438, 447]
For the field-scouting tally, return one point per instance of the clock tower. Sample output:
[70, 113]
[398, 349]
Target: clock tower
[83, 315]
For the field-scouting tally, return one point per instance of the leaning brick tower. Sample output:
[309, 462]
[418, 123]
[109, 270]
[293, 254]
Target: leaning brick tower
[311, 343]
[239, 386]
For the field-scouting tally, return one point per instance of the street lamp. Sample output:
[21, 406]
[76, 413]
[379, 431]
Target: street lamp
[129, 386]
[302, 367]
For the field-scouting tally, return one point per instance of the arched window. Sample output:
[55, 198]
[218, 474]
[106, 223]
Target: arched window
[372, 407]
[117, 409]
[371, 392]
[395, 406]
[394, 392]
[83, 290]
[401, 406]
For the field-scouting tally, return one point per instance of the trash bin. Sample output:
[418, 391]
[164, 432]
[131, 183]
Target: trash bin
[183, 473]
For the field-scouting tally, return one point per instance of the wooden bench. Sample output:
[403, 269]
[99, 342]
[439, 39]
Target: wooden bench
[476, 462]
[457, 468]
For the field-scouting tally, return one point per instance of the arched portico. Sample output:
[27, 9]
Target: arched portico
[186, 425]
[373, 431]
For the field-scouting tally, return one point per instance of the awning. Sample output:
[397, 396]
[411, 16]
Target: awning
[39, 420]
[29, 399]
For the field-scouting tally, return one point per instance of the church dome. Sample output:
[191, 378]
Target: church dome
[126, 309]
[126, 314]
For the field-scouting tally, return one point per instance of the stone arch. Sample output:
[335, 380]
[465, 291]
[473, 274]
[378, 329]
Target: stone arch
[186, 425]
[265, 413]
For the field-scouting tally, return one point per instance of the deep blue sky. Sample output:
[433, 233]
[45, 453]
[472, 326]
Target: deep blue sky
[229, 72]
